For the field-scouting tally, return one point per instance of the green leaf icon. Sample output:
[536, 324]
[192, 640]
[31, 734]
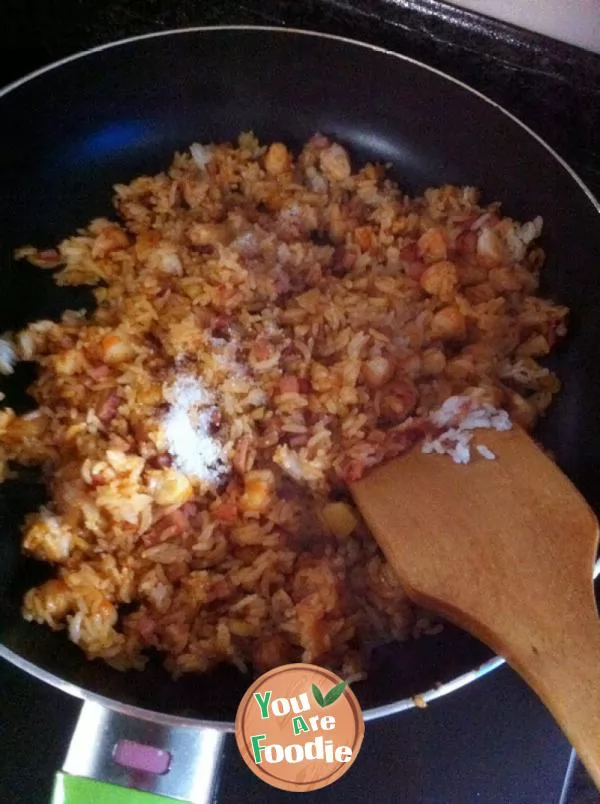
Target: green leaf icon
[334, 693]
[318, 695]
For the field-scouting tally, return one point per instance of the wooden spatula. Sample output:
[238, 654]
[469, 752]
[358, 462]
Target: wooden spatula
[505, 549]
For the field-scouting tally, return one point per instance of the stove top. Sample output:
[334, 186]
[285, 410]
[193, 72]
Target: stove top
[492, 741]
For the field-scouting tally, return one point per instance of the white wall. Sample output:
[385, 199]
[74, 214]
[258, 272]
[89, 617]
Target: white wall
[574, 21]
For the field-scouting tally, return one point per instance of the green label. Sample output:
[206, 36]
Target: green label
[79, 790]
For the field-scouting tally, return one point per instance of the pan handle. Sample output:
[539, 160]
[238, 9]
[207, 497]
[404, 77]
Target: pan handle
[116, 758]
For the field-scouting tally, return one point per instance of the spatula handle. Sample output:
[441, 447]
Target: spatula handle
[564, 670]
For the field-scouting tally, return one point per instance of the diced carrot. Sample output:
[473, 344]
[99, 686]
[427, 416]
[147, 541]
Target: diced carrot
[226, 512]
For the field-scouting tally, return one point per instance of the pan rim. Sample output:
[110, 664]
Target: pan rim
[308, 33]
[228, 726]
[374, 712]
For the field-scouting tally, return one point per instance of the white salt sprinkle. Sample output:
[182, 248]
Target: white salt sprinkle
[187, 429]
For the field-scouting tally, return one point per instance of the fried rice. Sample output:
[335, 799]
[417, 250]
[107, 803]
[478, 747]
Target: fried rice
[267, 328]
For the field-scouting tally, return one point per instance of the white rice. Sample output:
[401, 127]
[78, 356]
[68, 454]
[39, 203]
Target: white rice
[520, 237]
[201, 154]
[485, 452]
[461, 416]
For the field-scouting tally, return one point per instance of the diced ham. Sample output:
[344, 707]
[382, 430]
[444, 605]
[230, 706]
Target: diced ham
[99, 373]
[146, 627]
[215, 421]
[190, 509]
[220, 589]
[289, 384]
[271, 433]
[177, 520]
[162, 461]
[300, 440]
[176, 571]
[415, 270]
[413, 264]
[282, 284]
[48, 258]
[343, 261]
[108, 409]
[409, 253]
[244, 455]
[353, 471]
[226, 512]
[220, 326]
[466, 243]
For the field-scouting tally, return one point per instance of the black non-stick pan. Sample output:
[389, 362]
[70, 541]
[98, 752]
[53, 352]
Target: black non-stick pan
[69, 132]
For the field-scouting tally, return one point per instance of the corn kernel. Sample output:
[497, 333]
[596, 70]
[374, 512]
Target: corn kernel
[171, 488]
[340, 519]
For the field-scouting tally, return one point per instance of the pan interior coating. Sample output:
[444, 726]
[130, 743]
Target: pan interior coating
[419, 154]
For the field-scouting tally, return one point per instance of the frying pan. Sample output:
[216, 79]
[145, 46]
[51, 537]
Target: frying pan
[72, 130]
